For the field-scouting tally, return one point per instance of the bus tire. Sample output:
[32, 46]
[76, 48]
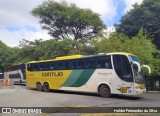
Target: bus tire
[39, 87]
[105, 91]
[46, 87]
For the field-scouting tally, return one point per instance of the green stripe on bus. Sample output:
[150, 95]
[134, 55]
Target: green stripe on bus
[72, 78]
[83, 78]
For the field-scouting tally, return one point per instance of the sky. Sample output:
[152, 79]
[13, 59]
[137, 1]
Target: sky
[17, 23]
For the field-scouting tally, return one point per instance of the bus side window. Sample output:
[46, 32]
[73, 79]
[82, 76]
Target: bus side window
[48, 66]
[66, 65]
[80, 64]
[29, 67]
[52, 66]
[107, 65]
[104, 62]
[73, 64]
[91, 64]
[60, 66]
[33, 67]
[41, 67]
[99, 63]
[45, 66]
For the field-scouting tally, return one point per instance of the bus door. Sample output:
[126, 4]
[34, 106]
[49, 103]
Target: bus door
[123, 70]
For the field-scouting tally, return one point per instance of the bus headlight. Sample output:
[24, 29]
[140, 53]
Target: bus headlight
[137, 87]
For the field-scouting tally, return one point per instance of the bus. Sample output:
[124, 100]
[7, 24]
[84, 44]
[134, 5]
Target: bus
[1, 71]
[17, 73]
[104, 73]
[1, 76]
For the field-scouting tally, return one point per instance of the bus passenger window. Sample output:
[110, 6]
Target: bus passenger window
[66, 65]
[47, 67]
[60, 66]
[91, 64]
[80, 64]
[41, 67]
[104, 62]
[34, 67]
[73, 65]
[29, 67]
[107, 65]
[52, 67]
[101, 63]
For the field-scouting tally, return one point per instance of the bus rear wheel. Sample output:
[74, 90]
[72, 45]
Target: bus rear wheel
[46, 87]
[104, 91]
[39, 87]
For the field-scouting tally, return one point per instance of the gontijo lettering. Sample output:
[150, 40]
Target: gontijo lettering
[51, 74]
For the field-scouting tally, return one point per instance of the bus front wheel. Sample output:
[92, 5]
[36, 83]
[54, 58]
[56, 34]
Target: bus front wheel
[104, 91]
[39, 87]
[46, 87]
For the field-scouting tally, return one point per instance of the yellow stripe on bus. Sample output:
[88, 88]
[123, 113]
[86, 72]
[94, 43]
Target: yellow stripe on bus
[54, 78]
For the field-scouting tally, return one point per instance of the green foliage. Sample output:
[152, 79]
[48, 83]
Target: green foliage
[65, 21]
[49, 49]
[7, 54]
[156, 63]
[140, 45]
[146, 16]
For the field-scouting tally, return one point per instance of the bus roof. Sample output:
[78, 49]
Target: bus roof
[14, 65]
[125, 53]
[69, 57]
[59, 58]
[80, 56]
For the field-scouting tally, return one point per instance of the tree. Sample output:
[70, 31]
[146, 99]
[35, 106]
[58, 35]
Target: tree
[140, 45]
[146, 16]
[7, 54]
[49, 49]
[67, 21]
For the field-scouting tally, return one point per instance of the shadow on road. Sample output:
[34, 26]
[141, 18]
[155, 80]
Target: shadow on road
[94, 94]
[127, 97]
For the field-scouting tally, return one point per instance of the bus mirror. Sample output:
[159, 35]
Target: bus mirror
[146, 66]
[136, 66]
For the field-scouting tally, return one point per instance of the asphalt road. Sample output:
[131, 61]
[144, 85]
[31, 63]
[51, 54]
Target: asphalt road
[20, 96]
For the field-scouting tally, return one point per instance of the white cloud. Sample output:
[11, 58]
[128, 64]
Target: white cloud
[129, 4]
[13, 38]
[106, 8]
[16, 13]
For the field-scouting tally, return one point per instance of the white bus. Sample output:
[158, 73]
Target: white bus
[106, 74]
[1, 77]
[17, 73]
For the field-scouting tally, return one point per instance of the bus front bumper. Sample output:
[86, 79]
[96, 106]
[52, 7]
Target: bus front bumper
[140, 91]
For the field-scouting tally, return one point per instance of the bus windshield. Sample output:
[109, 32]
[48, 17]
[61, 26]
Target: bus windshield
[138, 76]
